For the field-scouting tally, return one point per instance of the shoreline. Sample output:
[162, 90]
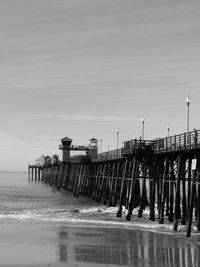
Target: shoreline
[107, 222]
[41, 245]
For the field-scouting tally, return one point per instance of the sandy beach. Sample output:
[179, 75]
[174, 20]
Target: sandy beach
[74, 246]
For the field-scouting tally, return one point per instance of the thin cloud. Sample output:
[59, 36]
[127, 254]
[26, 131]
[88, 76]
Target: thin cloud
[40, 137]
[95, 118]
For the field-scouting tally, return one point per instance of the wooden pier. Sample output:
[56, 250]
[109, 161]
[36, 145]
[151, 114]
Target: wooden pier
[162, 174]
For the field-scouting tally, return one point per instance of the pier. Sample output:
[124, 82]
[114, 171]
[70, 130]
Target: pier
[161, 174]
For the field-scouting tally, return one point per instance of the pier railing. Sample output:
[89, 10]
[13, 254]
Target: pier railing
[109, 155]
[129, 147]
[180, 142]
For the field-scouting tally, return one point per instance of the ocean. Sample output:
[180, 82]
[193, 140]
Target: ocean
[37, 202]
[41, 225]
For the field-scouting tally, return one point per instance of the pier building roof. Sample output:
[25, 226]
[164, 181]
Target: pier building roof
[66, 139]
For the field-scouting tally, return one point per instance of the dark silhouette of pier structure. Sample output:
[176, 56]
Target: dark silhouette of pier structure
[161, 174]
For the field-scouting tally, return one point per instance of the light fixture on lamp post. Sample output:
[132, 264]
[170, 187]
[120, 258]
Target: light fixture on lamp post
[142, 127]
[188, 112]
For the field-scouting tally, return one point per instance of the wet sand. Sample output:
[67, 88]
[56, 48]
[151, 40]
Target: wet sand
[74, 246]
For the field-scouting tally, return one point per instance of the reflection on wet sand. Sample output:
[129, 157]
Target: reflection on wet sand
[63, 246]
[63, 252]
[126, 248]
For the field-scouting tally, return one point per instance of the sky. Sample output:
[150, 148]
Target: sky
[84, 68]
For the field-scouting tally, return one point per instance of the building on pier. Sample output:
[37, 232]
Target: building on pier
[93, 148]
[90, 151]
[65, 147]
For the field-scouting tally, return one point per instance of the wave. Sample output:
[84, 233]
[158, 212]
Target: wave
[96, 210]
[101, 216]
[89, 222]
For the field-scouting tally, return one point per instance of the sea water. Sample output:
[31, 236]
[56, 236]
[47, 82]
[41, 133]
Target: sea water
[37, 202]
[89, 233]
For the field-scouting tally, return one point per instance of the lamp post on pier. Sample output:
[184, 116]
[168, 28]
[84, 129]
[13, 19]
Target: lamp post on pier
[100, 144]
[142, 127]
[117, 131]
[168, 129]
[188, 112]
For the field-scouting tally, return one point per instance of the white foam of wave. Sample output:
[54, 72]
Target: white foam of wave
[63, 216]
[102, 209]
[34, 214]
[30, 216]
[113, 210]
